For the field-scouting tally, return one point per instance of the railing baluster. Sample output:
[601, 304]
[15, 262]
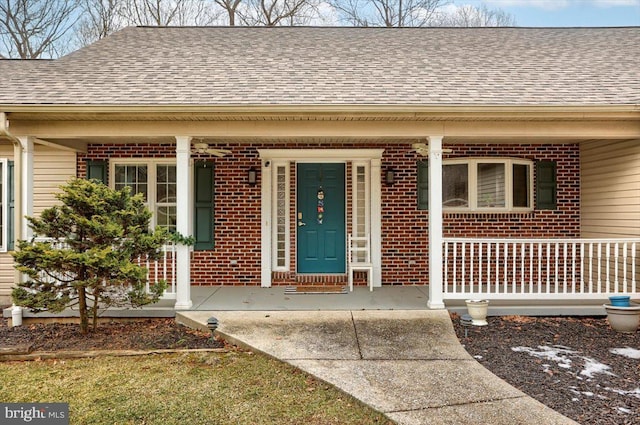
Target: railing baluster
[564, 268]
[471, 266]
[488, 268]
[624, 267]
[539, 267]
[634, 271]
[505, 266]
[446, 268]
[573, 268]
[164, 265]
[591, 269]
[531, 245]
[480, 285]
[616, 258]
[455, 267]
[173, 267]
[556, 282]
[464, 257]
[522, 256]
[608, 266]
[581, 277]
[548, 268]
[514, 254]
[497, 267]
[599, 259]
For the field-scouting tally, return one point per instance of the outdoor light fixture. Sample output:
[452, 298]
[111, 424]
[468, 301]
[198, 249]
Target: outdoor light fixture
[212, 324]
[252, 176]
[390, 176]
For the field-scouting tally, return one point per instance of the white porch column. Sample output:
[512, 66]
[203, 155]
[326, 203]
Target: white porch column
[266, 228]
[376, 221]
[435, 223]
[26, 177]
[183, 222]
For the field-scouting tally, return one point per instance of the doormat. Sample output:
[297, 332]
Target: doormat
[312, 289]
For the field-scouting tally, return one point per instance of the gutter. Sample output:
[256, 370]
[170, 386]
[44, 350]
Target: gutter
[474, 111]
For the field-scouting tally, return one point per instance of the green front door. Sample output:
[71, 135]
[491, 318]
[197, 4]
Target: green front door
[321, 218]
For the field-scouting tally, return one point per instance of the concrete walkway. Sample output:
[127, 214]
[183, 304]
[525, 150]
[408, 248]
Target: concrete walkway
[407, 364]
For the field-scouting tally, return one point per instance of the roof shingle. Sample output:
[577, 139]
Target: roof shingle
[338, 66]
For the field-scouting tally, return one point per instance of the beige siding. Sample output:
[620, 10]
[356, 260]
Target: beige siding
[610, 189]
[52, 168]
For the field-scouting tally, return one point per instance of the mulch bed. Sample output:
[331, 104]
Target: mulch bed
[147, 334]
[579, 367]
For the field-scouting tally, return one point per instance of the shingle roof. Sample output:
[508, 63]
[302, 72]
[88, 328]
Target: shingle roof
[338, 66]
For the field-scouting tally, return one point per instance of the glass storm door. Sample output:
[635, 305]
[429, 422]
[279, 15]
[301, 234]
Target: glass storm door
[320, 218]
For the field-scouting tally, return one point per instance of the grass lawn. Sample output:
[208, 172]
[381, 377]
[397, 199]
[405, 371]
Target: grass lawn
[231, 388]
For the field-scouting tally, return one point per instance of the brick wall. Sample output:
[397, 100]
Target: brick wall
[235, 260]
[405, 239]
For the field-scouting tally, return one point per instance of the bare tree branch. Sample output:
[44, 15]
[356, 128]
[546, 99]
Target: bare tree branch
[31, 29]
[231, 7]
[169, 12]
[278, 12]
[471, 16]
[388, 13]
[100, 18]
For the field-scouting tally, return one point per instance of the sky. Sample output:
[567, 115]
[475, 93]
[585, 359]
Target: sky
[567, 13]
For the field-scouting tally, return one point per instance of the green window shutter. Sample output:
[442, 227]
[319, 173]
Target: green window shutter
[546, 185]
[97, 170]
[11, 207]
[423, 185]
[203, 205]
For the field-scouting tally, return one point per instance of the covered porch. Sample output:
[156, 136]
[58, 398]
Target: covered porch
[437, 256]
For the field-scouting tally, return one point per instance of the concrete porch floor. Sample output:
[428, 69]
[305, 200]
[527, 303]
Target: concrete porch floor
[253, 298]
[415, 297]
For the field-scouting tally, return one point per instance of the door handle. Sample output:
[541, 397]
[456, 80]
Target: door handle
[301, 223]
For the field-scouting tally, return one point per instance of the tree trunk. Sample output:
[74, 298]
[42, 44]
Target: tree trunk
[82, 306]
[96, 294]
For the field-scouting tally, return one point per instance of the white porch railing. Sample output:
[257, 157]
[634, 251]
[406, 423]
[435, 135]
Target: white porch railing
[540, 268]
[164, 268]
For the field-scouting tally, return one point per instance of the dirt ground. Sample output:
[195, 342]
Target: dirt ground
[579, 367]
[146, 334]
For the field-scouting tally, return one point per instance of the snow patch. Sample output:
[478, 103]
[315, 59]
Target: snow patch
[632, 393]
[555, 353]
[592, 366]
[632, 353]
[585, 393]
[562, 356]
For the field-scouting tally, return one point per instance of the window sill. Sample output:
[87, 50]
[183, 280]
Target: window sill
[488, 214]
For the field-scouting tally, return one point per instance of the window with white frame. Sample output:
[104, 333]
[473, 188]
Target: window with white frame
[487, 184]
[281, 217]
[4, 205]
[360, 200]
[156, 181]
